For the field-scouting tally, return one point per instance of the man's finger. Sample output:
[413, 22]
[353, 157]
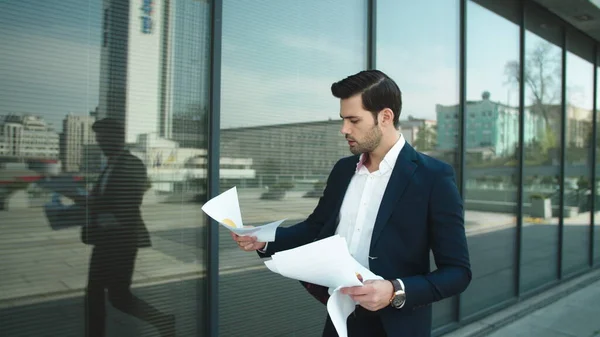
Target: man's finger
[246, 239]
[355, 291]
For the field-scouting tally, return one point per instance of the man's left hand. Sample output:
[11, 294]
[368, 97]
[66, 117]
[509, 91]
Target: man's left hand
[373, 295]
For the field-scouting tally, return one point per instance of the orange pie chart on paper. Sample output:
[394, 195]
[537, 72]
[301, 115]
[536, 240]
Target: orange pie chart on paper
[228, 222]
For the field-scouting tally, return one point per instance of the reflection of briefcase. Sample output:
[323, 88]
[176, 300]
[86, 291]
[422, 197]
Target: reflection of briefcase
[64, 216]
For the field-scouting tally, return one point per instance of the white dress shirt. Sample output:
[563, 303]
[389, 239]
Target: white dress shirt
[361, 204]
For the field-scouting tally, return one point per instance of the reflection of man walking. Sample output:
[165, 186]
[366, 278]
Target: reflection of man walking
[117, 231]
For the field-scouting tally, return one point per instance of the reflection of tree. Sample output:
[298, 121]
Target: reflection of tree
[542, 75]
[426, 138]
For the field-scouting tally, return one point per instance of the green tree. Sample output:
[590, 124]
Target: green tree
[426, 138]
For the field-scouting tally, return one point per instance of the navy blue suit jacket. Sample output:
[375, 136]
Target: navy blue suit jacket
[421, 211]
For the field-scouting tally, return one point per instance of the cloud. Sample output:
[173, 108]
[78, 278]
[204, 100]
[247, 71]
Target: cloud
[425, 78]
[250, 98]
[275, 87]
[323, 46]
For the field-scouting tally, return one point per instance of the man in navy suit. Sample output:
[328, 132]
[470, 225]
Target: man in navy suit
[393, 205]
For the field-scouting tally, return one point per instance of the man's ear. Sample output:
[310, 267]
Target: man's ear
[386, 116]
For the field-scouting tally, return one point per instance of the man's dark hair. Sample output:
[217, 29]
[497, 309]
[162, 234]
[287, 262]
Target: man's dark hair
[112, 127]
[377, 90]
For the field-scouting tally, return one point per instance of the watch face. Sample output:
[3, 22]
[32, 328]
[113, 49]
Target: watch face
[398, 300]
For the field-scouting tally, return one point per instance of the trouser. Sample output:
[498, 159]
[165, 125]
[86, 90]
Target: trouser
[360, 323]
[111, 270]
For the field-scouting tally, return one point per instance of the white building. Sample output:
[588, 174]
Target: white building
[77, 132]
[28, 137]
[131, 64]
[155, 75]
[411, 127]
[171, 168]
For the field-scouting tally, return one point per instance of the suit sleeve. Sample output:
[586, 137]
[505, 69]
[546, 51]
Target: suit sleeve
[307, 231]
[448, 244]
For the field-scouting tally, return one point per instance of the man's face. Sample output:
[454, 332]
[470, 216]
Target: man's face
[359, 127]
[107, 143]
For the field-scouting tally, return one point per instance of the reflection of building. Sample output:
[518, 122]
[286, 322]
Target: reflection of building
[130, 64]
[492, 128]
[300, 148]
[420, 133]
[77, 132]
[154, 63]
[27, 137]
[186, 72]
[579, 123]
[172, 168]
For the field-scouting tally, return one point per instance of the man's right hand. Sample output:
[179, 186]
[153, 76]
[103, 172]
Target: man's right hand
[247, 243]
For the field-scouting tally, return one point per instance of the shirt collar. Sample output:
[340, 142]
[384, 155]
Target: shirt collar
[389, 160]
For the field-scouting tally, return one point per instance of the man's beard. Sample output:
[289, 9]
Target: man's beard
[370, 142]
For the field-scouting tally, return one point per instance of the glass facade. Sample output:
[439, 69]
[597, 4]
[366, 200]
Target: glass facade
[206, 95]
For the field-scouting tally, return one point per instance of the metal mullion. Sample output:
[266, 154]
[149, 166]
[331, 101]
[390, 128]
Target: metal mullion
[462, 106]
[563, 152]
[212, 261]
[520, 169]
[372, 34]
[594, 154]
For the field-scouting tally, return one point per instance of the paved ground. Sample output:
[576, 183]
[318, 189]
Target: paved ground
[576, 315]
[567, 310]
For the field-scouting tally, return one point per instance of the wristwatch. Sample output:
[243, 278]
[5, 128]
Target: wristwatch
[398, 297]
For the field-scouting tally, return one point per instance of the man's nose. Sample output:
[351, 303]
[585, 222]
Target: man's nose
[344, 130]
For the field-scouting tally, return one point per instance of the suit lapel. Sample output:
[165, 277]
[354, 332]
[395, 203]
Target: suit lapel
[401, 175]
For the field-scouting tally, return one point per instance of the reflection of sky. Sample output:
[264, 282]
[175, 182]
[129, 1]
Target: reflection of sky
[50, 57]
[279, 58]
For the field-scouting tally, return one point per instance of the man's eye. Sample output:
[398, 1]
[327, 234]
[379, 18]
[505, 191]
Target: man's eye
[353, 121]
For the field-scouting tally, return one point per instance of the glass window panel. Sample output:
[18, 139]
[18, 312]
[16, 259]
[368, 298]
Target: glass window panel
[541, 157]
[492, 111]
[280, 136]
[597, 185]
[579, 110]
[60, 71]
[425, 64]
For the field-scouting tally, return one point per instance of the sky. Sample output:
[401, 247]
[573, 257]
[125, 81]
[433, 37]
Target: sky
[279, 58]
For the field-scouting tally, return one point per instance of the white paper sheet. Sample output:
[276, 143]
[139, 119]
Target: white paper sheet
[225, 209]
[327, 263]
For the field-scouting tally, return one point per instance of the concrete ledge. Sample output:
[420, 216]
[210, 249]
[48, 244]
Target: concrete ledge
[497, 320]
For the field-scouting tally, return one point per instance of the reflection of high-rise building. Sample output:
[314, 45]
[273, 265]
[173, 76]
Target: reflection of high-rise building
[154, 66]
[27, 137]
[130, 64]
[186, 85]
[77, 132]
[492, 128]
